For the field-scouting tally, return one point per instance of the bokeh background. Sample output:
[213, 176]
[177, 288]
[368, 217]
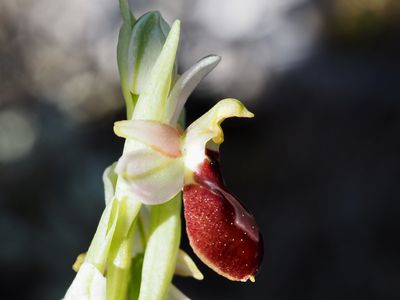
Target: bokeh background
[319, 166]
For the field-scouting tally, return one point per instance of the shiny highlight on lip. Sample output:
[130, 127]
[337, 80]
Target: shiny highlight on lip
[221, 231]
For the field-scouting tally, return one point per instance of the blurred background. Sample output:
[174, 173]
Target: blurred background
[319, 166]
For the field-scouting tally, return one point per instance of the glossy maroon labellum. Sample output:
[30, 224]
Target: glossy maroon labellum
[221, 231]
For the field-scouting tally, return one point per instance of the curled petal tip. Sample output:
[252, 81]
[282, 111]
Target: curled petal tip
[233, 108]
[208, 127]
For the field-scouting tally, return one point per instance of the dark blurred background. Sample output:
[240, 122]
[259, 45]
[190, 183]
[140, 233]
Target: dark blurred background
[319, 166]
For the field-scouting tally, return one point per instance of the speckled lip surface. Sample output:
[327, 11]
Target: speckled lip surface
[221, 231]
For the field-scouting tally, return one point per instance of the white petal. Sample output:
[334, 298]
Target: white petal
[89, 284]
[153, 177]
[207, 128]
[186, 84]
[158, 136]
[175, 294]
[185, 266]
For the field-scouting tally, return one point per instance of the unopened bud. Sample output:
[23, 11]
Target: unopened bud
[147, 39]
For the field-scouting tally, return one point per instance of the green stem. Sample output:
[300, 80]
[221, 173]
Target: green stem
[162, 249]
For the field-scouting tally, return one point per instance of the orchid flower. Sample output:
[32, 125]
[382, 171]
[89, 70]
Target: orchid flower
[135, 250]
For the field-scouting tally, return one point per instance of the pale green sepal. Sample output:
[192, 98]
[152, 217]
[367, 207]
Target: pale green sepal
[147, 39]
[109, 181]
[175, 294]
[89, 284]
[185, 85]
[100, 246]
[151, 104]
[208, 128]
[162, 249]
[185, 266]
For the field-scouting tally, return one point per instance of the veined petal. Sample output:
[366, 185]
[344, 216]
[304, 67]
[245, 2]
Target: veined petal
[153, 177]
[89, 284]
[186, 84]
[175, 294]
[207, 128]
[185, 266]
[160, 137]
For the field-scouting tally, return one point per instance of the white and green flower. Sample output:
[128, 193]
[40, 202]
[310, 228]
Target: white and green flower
[135, 251]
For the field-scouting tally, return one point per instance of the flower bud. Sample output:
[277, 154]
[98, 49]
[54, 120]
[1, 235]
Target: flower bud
[147, 39]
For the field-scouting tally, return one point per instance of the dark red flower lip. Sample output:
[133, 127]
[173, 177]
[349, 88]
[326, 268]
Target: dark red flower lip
[221, 231]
